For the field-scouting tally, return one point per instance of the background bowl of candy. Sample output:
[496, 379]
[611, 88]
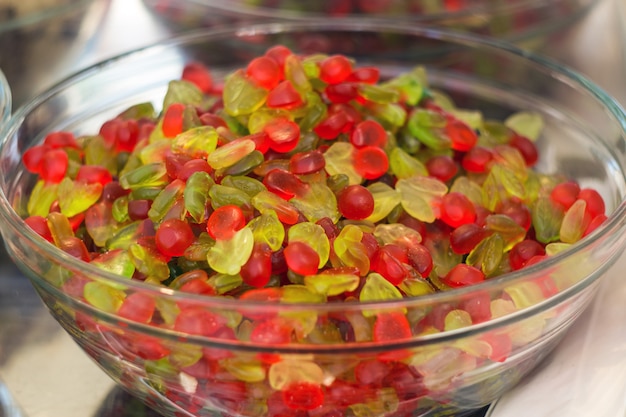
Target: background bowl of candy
[530, 23]
[199, 331]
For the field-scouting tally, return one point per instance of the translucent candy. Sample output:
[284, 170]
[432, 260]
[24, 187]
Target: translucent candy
[222, 195]
[385, 200]
[397, 234]
[103, 296]
[197, 142]
[332, 284]
[288, 371]
[403, 165]
[411, 85]
[528, 124]
[339, 161]
[511, 232]
[230, 153]
[415, 287]
[118, 262]
[227, 256]
[377, 288]
[468, 188]
[41, 198]
[426, 126]
[457, 319]
[390, 115]
[165, 200]
[59, 226]
[378, 94]
[241, 95]
[296, 74]
[246, 184]
[418, 195]
[349, 249]
[149, 262]
[150, 175]
[266, 202]
[245, 369]
[547, 219]
[313, 235]
[196, 195]
[181, 91]
[224, 283]
[268, 229]
[318, 201]
[488, 254]
[100, 223]
[574, 223]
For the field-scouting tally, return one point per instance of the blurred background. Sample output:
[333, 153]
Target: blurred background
[42, 373]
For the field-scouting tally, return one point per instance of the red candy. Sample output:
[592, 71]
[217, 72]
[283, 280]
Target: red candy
[225, 221]
[173, 237]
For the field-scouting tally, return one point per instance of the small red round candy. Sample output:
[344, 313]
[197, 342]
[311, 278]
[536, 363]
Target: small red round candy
[225, 221]
[61, 140]
[355, 202]
[54, 165]
[526, 147]
[173, 237]
[595, 203]
[40, 225]
[301, 258]
[457, 209]
[477, 159]
[367, 75]
[284, 184]
[517, 211]
[462, 274]
[283, 135]
[465, 238]
[368, 133]
[307, 162]
[391, 326]
[335, 69]
[442, 167]
[389, 266]
[463, 138]
[173, 120]
[257, 270]
[284, 96]
[332, 126]
[522, 252]
[279, 54]
[138, 209]
[371, 162]
[192, 166]
[341, 93]
[420, 259]
[264, 71]
[92, 174]
[138, 307]
[303, 396]
[33, 158]
[198, 74]
[565, 194]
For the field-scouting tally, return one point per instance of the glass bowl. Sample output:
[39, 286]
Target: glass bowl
[6, 100]
[528, 22]
[435, 371]
[39, 38]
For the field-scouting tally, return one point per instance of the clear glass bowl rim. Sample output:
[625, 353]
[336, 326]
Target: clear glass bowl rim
[563, 74]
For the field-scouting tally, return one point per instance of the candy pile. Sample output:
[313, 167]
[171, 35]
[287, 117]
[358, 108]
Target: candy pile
[306, 179]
